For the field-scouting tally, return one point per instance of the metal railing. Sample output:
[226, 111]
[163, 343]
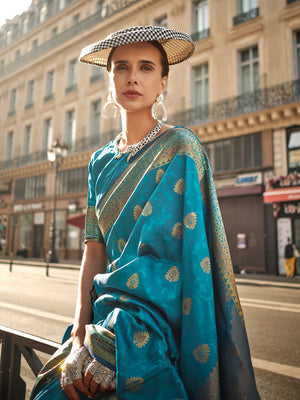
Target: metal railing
[200, 35]
[247, 16]
[14, 346]
[258, 100]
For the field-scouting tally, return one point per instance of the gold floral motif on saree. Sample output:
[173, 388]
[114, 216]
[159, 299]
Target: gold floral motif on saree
[190, 220]
[137, 212]
[173, 274]
[211, 386]
[121, 245]
[134, 383]
[179, 186]
[205, 265]
[147, 209]
[123, 297]
[141, 338]
[133, 281]
[177, 230]
[186, 306]
[159, 174]
[201, 353]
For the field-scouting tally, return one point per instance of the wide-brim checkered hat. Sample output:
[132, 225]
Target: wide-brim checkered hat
[178, 45]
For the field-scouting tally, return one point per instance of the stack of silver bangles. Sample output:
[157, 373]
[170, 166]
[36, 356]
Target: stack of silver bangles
[79, 362]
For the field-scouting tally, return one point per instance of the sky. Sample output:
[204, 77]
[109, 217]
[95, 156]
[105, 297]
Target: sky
[11, 8]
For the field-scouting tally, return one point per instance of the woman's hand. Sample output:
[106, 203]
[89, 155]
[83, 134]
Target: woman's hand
[98, 376]
[73, 372]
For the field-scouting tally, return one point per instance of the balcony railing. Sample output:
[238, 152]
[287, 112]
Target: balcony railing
[104, 13]
[200, 35]
[258, 100]
[247, 16]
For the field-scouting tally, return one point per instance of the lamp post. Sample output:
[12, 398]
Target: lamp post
[55, 155]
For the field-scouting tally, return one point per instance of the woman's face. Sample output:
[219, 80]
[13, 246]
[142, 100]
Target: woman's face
[135, 76]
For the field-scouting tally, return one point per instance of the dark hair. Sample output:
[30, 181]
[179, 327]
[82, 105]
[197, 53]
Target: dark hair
[164, 59]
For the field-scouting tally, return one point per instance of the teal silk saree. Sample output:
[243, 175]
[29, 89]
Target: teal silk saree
[169, 293]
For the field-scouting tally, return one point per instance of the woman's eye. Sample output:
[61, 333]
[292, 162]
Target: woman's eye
[147, 67]
[121, 67]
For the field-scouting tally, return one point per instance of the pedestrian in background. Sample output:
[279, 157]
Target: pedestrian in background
[289, 258]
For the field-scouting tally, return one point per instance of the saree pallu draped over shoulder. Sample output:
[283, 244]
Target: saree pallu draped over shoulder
[169, 292]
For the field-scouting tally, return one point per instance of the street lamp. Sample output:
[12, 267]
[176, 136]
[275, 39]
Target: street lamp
[55, 155]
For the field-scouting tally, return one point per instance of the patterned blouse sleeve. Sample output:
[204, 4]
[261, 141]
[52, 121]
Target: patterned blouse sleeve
[92, 230]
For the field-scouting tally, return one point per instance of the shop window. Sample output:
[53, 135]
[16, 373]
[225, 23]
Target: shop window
[25, 232]
[244, 152]
[72, 181]
[293, 149]
[30, 188]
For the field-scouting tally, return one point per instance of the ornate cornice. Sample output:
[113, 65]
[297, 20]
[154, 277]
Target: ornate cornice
[274, 118]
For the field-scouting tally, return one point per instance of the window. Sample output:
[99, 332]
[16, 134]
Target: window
[161, 21]
[247, 5]
[48, 134]
[97, 74]
[72, 75]
[72, 181]
[95, 118]
[30, 94]
[53, 32]
[49, 85]
[30, 188]
[9, 145]
[17, 54]
[12, 102]
[201, 85]
[294, 150]
[237, 153]
[297, 54]
[34, 44]
[75, 19]
[249, 70]
[200, 19]
[27, 140]
[70, 133]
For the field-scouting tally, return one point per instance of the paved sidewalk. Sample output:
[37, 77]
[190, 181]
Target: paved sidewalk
[268, 280]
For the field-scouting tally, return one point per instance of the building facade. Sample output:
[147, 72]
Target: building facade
[239, 92]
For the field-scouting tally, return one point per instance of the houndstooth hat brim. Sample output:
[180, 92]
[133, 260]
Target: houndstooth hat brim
[178, 45]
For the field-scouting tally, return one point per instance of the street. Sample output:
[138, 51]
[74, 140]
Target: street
[44, 306]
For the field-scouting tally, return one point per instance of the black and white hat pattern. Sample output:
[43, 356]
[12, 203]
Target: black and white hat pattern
[178, 45]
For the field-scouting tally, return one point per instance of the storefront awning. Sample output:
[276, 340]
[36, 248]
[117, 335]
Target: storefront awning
[77, 220]
[282, 194]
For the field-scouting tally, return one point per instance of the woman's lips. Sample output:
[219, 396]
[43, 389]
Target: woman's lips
[132, 94]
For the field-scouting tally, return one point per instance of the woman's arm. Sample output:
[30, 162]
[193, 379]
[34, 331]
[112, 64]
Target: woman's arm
[93, 262]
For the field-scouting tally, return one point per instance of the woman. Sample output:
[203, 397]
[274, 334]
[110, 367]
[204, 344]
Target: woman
[166, 315]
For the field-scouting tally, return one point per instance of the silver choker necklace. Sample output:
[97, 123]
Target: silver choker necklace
[133, 149]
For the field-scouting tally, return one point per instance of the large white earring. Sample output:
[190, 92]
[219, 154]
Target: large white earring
[110, 108]
[159, 110]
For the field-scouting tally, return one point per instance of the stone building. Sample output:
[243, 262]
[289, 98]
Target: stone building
[239, 92]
